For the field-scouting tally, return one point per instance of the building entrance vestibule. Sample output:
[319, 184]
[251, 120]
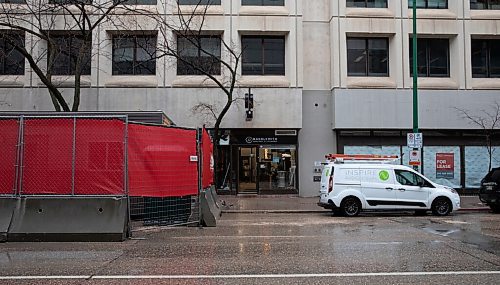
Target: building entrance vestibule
[267, 169]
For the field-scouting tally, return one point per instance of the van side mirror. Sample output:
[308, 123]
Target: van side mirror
[421, 183]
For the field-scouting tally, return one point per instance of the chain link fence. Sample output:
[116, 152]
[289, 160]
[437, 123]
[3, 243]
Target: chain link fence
[163, 175]
[158, 168]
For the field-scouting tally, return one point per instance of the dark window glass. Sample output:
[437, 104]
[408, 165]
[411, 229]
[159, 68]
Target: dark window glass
[11, 60]
[69, 2]
[136, 2]
[485, 4]
[13, 1]
[67, 50]
[367, 3]
[433, 57]
[263, 2]
[410, 179]
[199, 53]
[485, 58]
[199, 2]
[263, 55]
[134, 55]
[367, 57]
[429, 4]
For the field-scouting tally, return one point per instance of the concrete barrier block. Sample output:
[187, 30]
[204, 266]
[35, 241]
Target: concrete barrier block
[7, 207]
[215, 197]
[69, 219]
[209, 211]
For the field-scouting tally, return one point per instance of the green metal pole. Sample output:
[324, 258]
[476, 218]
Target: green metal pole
[415, 70]
[415, 74]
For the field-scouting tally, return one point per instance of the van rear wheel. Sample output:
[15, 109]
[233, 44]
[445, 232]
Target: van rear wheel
[350, 207]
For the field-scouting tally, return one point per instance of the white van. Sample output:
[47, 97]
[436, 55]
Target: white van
[348, 188]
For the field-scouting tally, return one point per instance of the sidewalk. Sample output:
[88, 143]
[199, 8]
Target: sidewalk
[295, 204]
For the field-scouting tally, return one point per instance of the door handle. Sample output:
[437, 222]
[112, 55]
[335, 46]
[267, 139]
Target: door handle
[402, 189]
[389, 188]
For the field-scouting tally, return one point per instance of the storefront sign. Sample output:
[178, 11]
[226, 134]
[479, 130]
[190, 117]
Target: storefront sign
[445, 165]
[260, 137]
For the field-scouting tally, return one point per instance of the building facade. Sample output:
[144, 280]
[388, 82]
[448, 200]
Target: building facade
[326, 76]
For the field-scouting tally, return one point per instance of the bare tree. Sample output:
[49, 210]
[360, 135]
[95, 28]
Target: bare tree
[59, 31]
[489, 122]
[184, 38]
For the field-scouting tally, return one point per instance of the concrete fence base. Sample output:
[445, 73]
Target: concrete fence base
[65, 218]
[210, 210]
[7, 209]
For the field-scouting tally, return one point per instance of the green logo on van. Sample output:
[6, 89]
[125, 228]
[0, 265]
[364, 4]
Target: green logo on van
[383, 175]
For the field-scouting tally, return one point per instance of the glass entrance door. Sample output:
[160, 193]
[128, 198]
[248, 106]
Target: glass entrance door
[247, 171]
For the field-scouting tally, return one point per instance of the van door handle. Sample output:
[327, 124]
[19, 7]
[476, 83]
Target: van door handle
[402, 189]
[389, 188]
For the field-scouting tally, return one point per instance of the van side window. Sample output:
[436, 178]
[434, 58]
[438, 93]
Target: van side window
[410, 179]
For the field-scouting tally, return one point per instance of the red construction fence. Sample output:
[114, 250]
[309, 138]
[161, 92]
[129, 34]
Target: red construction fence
[101, 156]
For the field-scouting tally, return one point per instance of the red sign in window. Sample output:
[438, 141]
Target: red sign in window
[445, 165]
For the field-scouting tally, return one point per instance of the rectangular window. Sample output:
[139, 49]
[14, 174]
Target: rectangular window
[485, 4]
[429, 4]
[485, 58]
[263, 55]
[11, 60]
[367, 57]
[136, 2]
[69, 2]
[433, 57]
[13, 1]
[263, 2]
[367, 3]
[199, 54]
[68, 48]
[199, 2]
[134, 55]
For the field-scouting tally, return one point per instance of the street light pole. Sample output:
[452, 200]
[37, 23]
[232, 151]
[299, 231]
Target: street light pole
[415, 70]
[415, 74]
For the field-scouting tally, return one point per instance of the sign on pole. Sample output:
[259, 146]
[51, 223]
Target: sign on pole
[415, 140]
[415, 158]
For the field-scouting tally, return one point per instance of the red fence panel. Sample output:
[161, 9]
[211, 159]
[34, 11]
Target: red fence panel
[99, 158]
[208, 160]
[9, 134]
[47, 156]
[159, 161]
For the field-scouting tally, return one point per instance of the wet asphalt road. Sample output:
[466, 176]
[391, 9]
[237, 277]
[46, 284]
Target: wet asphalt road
[307, 248]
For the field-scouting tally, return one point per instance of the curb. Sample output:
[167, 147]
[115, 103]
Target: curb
[474, 209]
[482, 209]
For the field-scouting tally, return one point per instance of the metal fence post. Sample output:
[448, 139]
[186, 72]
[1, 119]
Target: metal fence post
[21, 155]
[73, 159]
[18, 156]
[199, 147]
[125, 176]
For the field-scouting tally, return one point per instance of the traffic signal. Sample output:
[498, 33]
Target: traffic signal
[249, 105]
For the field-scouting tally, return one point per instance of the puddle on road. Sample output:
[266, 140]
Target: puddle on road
[441, 232]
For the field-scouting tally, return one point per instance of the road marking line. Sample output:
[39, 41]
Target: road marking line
[253, 276]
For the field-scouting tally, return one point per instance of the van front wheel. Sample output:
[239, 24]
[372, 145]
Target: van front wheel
[441, 206]
[350, 207]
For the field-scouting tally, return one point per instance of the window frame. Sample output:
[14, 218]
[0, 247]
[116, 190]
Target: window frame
[427, 57]
[350, 4]
[367, 49]
[198, 2]
[262, 60]
[115, 71]
[5, 53]
[264, 3]
[487, 3]
[200, 53]
[426, 5]
[71, 65]
[138, 2]
[488, 67]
